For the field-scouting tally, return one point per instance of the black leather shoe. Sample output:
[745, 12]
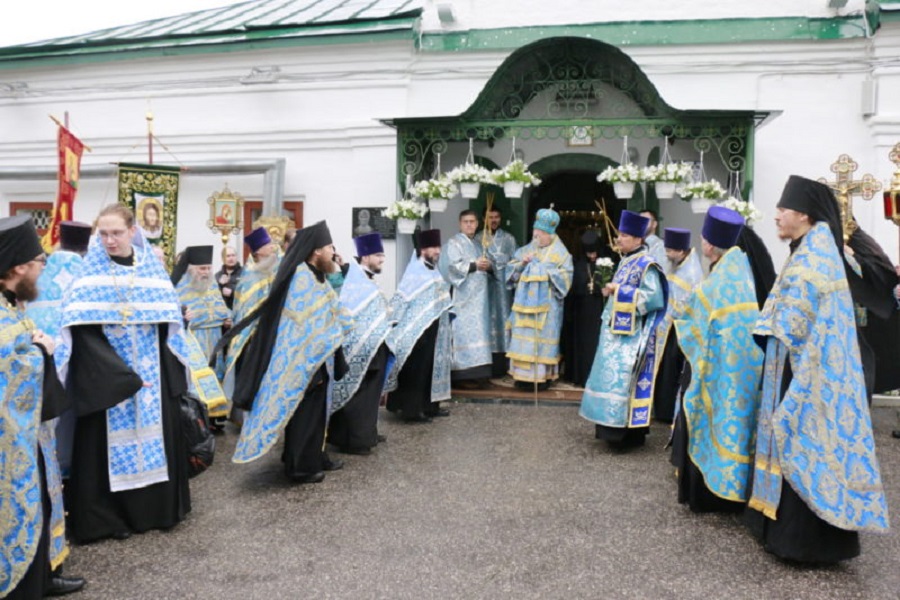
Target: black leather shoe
[60, 586]
[442, 412]
[380, 439]
[121, 535]
[333, 465]
[417, 419]
[896, 433]
[310, 478]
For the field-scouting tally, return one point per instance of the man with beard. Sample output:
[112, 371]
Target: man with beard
[32, 531]
[291, 361]
[816, 481]
[62, 268]
[619, 392]
[655, 246]
[712, 445]
[228, 276]
[541, 272]
[465, 267]
[123, 359]
[583, 307]
[683, 273]
[353, 427]
[420, 340]
[499, 246]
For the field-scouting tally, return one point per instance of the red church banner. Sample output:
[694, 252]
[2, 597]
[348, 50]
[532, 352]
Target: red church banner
[69, 151]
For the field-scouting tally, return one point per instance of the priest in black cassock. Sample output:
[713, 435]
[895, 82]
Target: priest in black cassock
[583, 308]
[32, 531]
[123, 359]
[292, 360]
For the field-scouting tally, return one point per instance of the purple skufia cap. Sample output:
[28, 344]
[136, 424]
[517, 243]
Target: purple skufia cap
[722, 227]
[633, 224]
[429, 238]
[74, 236]
[368, 244]
[257, 238]
[676, 238]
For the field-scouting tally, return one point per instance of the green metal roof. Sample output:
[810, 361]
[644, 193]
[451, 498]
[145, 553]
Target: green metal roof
[251, 21]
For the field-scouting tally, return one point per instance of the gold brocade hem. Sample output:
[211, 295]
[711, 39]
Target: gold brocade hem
[530, 310]
[765, 508]
[60, 558]
[531, 278]
[522, 358]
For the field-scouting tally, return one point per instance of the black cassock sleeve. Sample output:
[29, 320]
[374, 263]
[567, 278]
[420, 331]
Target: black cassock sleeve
[97, 378]
[54, 401]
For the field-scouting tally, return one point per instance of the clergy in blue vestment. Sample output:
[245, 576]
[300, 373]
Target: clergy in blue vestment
[683, 273]
[205, 309]
[712, 446]
[816, 481]
[619, 391]
[292, 360]
[499, 246]
[32, 530]
[541, 272]
[655, 246]
[420, 376]
[465, 266]
[126, 361]
[353, 427]
[63, 265]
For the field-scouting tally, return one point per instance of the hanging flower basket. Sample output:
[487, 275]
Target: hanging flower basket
[406, 225]
[468, 189]
[624, 189]
[665, 189]
[438, 204]
[513, 189]
[699, 206]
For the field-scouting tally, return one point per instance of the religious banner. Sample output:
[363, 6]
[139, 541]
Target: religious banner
[151, 192]
[69, 150]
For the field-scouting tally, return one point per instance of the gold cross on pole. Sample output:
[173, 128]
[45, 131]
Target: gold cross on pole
[845, 187]
[892, 195]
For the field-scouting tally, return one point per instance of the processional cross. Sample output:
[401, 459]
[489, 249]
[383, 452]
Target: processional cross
[845, 187]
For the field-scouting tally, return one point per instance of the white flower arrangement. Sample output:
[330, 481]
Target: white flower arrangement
[470, 173]
[439, 188]
[517, 170]
[605, 261]
[621, 174]
[705, 190]
[405, 209]
[679, 172]
[747, 210]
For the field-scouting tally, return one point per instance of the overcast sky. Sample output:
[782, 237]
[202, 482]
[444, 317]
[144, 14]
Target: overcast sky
[34, 20]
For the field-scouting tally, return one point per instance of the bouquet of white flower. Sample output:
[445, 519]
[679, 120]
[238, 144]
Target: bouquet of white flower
[705, 190]
[680, 172]
[621, 174]
[605, 268]
[405, 209]
[470, 173]
[439, 188]
[747, 210]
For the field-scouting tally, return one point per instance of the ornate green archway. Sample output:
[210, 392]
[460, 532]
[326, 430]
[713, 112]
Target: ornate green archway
[559, 88]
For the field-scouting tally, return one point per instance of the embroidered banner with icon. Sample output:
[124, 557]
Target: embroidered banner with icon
[151, 191]
[69, 151]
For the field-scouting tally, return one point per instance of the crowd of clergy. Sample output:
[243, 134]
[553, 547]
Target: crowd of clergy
[763, 380]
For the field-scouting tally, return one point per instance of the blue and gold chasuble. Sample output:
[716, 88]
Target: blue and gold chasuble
[535, 319]
[715, 333]
[130, 302]
[619, 390]
[471, 325]
[61, 269]
[209, 315]
[367, 309]
[501, 246]
[311, 328]
[681, 280]
[21, 434]
[819, 435]
[252, 288]
[422, 297]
